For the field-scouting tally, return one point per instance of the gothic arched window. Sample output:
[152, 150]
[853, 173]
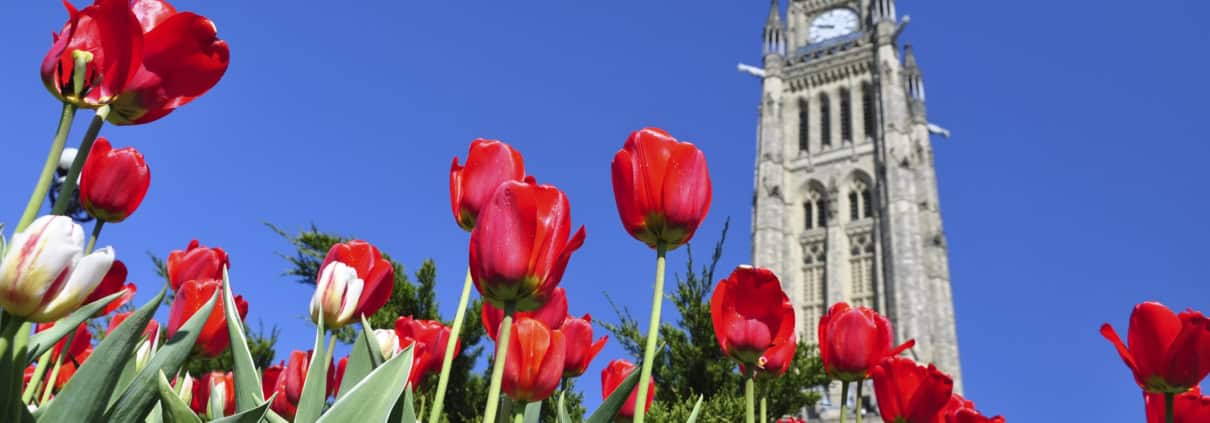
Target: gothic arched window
[825, 120]
[867, 108]
[860, 201]
[804, 126]
[846, 116]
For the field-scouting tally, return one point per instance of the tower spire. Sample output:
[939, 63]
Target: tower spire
[774, 34]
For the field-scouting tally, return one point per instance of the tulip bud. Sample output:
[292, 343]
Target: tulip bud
[661, 187]
[196, 262]
[44, 275]
[488, 164]
[113, 182]
[534, 365]
[520, 247]
[354, 280]
[909, 392]
[613, 375]
[427, 339]
[388, 342]
[580, 348]
[184, 389]
[552, 314]
[212, 338]
[754, 320]
[852, 340]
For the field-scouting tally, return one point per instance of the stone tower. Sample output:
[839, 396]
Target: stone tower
[846, 205]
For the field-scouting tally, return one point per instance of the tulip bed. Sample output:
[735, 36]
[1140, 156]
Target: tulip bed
[135, 61]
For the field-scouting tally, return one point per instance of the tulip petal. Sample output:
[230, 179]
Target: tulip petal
[1188, 360]
[151, 12]
[1153, 328]
[183, 59]
[84, 278]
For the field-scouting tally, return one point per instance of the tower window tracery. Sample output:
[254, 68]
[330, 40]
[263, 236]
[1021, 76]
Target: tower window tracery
[814, 211]
[860, 201]
[814, 285]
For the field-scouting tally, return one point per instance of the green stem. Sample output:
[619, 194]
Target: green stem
[1169, 400]
[68, 190]
[859, 410]
[749, 399]
[448, 360]
[48, 169]
[764, 409]
[519, 415]
[653, 334]
[54, 373]
[96, 233]
[8, 364]
[493, 391]
[844, 399]
[36, 380]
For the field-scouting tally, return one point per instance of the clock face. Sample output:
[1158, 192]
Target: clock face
[832, 24]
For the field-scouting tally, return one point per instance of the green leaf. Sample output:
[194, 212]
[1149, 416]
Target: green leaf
[128, 373]
[563, 417]
[173, 409]
[697, 408]
[372, 342]
[403, 411]
[252, 415]
[372, 399]
[311, 402]
[248, 391]
[272, 417]
[363, 359]
[42, 342]
[87, 393]
[533, 412]
[139, 397]
[609, 409]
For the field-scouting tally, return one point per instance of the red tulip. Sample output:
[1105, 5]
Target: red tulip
[613, 375]
[107, 35]
[113, 182]
[1168, 352]
[488, 164]
[791, 420]
[220, 385]
[213, 338]
[287, 380]
[852, 340]
[662, 188]
[519, 247]
[1189, 407]
[337, 376]
[182, 59]
[81, 340]
[428, 338]
[354, 280]
[552, 313]
[580, 348]
[534, 365]
[111, 284]
[962, 410]
[196, 262]
[908, 392]
[752, 316]
[68, 368]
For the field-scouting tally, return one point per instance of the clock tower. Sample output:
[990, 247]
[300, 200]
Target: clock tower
[845, 204]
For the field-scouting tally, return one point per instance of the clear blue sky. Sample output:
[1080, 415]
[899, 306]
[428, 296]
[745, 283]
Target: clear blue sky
[1070, 190]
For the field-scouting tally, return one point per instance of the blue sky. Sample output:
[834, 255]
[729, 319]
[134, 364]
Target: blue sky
[1070, 190]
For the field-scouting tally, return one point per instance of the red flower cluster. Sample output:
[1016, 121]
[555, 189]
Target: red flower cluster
[428, 339]
[286, 379]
